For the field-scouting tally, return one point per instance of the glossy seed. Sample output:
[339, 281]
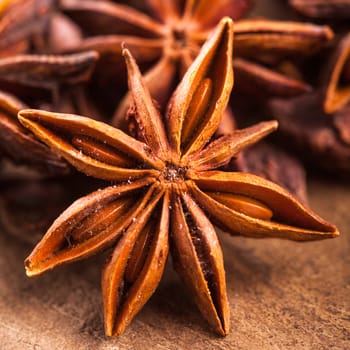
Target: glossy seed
[197, 109]
[97, 150]
[99, 220]
[138, 255]
[244, 205]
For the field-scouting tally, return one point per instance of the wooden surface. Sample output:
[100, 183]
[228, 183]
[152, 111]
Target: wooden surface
[283, 295]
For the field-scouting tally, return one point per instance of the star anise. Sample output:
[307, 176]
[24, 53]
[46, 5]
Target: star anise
[19, 145]
[323, 9]
[273, 163]
[167, 39]
[318, 123]
[20, 22]
[318, 138]
[336, 77]
[41, 80]
[168, 190]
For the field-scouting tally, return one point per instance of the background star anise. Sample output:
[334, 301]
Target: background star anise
[46, 81]
[168, 190]
[168, 37]
[21, 23]
[316, 126]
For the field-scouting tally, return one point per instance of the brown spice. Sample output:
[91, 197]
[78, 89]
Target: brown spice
[167, 43]
[335, 83]
[20, 22]
[30, 78]
[275, 164]
[317, 138]
[170, 182]
[325, 9]
[19, 145]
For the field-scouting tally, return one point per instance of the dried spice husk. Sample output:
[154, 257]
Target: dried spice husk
[40, 80]
[335, 84]
[20, 146]
[61, 34]
[168, 189]
[20, 22]
[275, 164]
[270, 40]
[56, 82]
[270, 52]
[318, 138]
[255, 79]
[166, 39]
[322, 9]
[47, 72]
[36, 27]
[266, 159]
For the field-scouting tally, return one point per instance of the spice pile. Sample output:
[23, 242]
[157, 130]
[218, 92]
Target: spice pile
[139, 99]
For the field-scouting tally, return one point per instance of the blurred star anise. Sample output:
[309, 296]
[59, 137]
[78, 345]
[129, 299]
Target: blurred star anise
[39, 81]
[317, 124]
[335, 85]
[320, 139]
[323, 9]
[168, 190]
[21, 22]
[167, 39]
[19, 145]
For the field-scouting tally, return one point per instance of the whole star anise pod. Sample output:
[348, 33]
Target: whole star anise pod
[167, 39]
[168, 190]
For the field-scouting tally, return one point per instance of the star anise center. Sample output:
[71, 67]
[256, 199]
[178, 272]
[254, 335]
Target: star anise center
[173, 173]
[177, 40]
[179, 37]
